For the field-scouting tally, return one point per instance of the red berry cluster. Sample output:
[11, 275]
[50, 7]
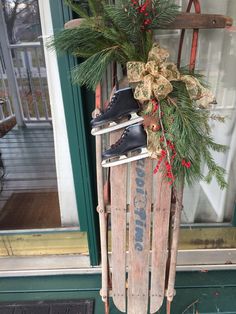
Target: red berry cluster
[163, 156]
[155, 105]
[142, 9]
[168, 166]
[186, 164]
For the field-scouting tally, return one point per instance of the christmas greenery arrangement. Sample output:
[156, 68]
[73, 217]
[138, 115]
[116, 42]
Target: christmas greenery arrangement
[175, 103]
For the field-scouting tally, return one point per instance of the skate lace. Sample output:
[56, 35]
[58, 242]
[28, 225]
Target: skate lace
[121, 139]
[111, 103]
[113, 99]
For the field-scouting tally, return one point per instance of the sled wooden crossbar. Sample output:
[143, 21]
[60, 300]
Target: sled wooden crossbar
[185, 21]
[200, 21]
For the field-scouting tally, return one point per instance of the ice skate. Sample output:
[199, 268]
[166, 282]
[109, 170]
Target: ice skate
[130, 147]
[121, 112]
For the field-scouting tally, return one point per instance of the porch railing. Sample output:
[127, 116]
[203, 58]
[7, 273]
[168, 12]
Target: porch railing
[6, 110]
[30, 73]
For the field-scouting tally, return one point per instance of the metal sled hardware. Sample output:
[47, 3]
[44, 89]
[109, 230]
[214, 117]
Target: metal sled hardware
[116, 126]
[124, 159]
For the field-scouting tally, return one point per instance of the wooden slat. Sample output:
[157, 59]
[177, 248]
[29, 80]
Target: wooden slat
[25, 150]
[24, 162]
[200, 21]
[32, 168]
[27, 137]
[29, 133]
[186, 21]
[118, 181]
[19, 185]
[29, 160]
[42, 175]
[139, 236]
[27, 140]
[161, 216]
[45, 145]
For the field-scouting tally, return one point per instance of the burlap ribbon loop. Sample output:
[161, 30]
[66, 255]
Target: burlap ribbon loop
[154, 79]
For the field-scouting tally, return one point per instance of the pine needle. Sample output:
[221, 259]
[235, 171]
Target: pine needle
[189, 129]
[105, 26]
[90, 71]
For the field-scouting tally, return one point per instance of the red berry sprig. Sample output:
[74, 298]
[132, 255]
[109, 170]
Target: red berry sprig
[155, 105]
[169, 153]
[163, 155]
[186, 164]
[168, 167]
[142, 9]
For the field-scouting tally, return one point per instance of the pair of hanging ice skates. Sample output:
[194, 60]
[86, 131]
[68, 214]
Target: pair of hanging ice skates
[122, 113]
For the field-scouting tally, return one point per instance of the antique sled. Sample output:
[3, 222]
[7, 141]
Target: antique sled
[140, 212]
[143, 212]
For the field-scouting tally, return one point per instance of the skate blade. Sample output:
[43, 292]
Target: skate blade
[116, 126]
[124, 159]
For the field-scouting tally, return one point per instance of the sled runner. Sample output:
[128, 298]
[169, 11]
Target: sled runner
[143, 211]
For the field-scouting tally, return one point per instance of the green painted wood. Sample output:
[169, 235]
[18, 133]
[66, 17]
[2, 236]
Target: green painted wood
[234, 217]
[78, 139]
[52, 288]
[208, 301]
[215, 291]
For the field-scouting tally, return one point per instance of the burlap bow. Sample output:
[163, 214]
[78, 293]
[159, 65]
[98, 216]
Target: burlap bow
[154, 79]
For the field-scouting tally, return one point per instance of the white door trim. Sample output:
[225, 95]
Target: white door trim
[65, 181]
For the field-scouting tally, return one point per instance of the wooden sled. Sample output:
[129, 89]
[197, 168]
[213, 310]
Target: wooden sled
[144, 213]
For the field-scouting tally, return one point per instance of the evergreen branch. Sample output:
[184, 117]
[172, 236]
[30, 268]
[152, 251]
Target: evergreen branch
[123, 22]
[214, 170]
[90, 72]
[127, 24]
[191, 135]
[95, 7]
[82, 39]
[165, 12]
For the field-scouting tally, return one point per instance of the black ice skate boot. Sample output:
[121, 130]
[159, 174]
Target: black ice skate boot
[131, 146]
[122, 105]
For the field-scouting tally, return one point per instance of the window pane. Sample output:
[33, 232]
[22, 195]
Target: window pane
[35, 171]
[216, 60]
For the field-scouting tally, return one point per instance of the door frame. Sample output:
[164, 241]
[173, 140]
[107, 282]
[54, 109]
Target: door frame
[74, 99]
